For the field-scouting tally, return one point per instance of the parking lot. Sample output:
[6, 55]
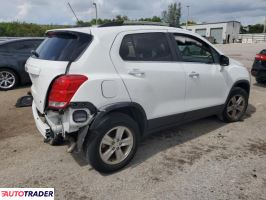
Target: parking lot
[205, 159]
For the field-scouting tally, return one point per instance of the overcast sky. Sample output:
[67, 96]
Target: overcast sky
[57, 12]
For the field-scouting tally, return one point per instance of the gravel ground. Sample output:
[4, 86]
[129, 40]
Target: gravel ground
[205, 159]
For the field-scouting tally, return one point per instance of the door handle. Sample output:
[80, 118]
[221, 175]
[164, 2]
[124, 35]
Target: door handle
[136, 72]
[194, 75]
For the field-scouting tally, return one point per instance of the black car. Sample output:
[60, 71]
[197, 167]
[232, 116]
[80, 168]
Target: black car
[259, 67]
[13, 56]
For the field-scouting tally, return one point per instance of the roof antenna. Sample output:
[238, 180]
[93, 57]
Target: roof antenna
[73, 11]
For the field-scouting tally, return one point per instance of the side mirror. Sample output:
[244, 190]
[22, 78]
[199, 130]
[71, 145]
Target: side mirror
[224, 60]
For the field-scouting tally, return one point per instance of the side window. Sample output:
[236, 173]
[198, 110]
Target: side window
[21, 47]
[192, 50]
[145, 47]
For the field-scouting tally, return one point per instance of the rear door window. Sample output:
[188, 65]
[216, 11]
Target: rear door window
[23, 47]
[63, 46]
[145, 47]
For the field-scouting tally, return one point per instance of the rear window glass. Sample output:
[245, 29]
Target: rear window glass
[263, 51]
[63, 46]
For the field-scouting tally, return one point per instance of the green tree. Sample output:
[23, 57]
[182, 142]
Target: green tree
[172, 15]
[153, 19]
[120, 18]
[22, 29]
[257, 28]
[81, 23]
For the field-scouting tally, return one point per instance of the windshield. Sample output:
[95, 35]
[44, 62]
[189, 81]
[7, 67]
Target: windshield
[63, 46]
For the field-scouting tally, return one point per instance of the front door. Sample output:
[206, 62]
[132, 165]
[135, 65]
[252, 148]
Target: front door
[205, 81]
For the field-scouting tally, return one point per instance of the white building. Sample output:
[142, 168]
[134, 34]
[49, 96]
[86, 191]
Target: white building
[221, 32]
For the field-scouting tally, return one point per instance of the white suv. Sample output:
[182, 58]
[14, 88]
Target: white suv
[104, 87]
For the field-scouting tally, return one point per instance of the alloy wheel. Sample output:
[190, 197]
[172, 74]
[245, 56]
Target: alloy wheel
[236, 107]
[116, 145]
[7, 80]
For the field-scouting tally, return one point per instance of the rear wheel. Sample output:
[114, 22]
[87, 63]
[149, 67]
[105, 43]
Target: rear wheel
[114, 144]
[8, 79]
[236, 105]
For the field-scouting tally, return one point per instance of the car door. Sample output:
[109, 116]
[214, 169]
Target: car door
[153, 79]
[206, 84]
[20, 51]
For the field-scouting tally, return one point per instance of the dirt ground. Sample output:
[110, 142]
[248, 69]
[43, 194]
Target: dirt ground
[205, 159]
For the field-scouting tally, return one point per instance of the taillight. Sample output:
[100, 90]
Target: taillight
[63, 89]
[261, 57]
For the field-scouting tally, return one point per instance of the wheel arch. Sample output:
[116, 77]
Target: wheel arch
[134, 110]
[244, 84]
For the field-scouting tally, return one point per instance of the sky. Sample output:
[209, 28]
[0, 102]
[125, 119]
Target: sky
[57, 11]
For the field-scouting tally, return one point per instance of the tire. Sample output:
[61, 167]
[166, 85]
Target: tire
[235, 106]
[260, 81]
[106, 151]
[8, 79]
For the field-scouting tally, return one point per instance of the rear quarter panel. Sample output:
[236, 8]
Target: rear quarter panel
[96, 64]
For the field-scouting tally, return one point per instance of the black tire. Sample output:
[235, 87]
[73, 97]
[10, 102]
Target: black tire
[235, 92]
[93, 148]
[260, 81]
[14, 84]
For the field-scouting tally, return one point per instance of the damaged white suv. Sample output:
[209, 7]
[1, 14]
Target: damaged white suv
[105, 87]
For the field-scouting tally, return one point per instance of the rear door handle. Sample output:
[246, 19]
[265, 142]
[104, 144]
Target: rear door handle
[194, 75]
[137, 73]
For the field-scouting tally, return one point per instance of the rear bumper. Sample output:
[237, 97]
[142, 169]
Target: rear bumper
[52, 123]
[42, 127]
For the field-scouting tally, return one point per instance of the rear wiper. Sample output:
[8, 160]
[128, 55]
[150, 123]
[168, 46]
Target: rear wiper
[34, 53]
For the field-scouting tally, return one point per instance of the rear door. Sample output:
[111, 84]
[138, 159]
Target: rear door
[51, 60]
[21, 51]
[152, 77]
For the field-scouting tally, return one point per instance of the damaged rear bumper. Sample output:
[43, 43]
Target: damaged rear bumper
[42, 127]
[52, 124]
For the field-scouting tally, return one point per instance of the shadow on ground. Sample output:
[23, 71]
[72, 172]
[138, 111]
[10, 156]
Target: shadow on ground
[260, 84]
[163, 140]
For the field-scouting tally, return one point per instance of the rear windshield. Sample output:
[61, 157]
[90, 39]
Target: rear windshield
[263, 51]
[63, 46]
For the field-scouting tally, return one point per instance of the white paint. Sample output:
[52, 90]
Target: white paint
[161, 88]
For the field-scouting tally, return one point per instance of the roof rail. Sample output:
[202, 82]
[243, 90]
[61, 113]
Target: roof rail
[124, 23]
[145, 23]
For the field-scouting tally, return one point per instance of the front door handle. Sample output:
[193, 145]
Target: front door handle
[194, 75]
[137, 73]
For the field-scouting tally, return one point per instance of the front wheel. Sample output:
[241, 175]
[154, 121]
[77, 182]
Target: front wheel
[236, 105]
[114, 144]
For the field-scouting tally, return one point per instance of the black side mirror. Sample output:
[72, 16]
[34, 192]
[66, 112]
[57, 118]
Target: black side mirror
[224, 60]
